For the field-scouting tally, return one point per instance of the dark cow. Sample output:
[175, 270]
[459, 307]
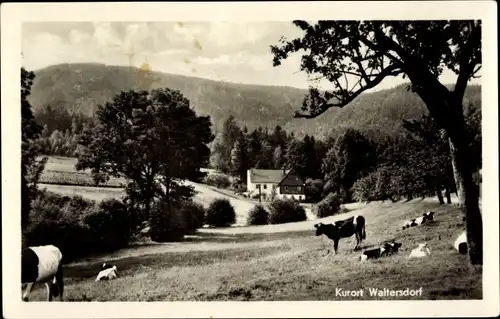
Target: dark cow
[42, 264]
[343, 229]
[372, 253]
[428, 216]
[391, 248]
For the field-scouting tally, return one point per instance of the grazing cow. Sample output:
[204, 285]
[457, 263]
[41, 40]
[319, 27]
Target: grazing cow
[421, 251]
[461, 243]
[108, 272]
[343, 229]
[409, 223]
[42, 264]
[391, 248]
[372, 253]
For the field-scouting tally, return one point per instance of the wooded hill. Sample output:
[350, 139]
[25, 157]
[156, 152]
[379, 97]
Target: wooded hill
[69, 89]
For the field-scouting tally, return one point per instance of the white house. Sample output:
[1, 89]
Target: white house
[283, 183]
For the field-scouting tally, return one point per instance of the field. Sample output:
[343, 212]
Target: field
[285, 262]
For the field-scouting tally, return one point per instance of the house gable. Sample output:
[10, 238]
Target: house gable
[266, 176]
[291, 179]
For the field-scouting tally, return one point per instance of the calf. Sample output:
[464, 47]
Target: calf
[372, 253]
[461, 243]
[343, 229]
[42, 264]
[108, 272]
[421, 251]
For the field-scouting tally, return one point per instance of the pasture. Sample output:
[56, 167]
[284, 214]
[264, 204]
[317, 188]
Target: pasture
[274, 262]
[226, 264]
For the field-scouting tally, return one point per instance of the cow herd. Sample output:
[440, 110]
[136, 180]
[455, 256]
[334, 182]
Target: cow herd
[356, 226]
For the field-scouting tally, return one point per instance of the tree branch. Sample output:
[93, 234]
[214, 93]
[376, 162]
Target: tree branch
[392, 70]
[466, 67]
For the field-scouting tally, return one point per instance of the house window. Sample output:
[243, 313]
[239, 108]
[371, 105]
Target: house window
[299, 188]
[258, 186]
[265, 186]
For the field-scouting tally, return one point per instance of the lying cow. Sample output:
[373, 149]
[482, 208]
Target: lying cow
[343, 229]
[108, 272]
[409, 223]
[391, 248]
[421, 251]
[461, 243]
[385, 250]
[42, 264]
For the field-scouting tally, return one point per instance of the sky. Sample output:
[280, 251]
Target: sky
[225, 51]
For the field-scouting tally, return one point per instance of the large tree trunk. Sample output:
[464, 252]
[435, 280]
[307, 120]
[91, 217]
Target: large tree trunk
[470, 196]
[446, 108]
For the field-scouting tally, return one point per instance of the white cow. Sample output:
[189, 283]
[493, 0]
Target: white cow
[461, 243]
[42, 264]
[421, 251]
[107, 273]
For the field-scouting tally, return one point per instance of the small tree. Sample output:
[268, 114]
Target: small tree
[258, 215]
[286, 211]
[329, 206]
[220, 213]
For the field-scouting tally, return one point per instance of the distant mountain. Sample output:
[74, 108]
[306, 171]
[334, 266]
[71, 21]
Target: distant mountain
[79, 88]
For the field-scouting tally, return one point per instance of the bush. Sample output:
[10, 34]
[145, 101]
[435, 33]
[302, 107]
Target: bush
[111, 226]
[286, 211]
[194, 215]
[238, 187]
[220, 213]
[330, 205]
[314, 189]
[77, 226]
[258, 216]
[217, 180]
[167, 222]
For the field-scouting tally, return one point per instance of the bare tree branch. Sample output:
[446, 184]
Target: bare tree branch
[392, 70]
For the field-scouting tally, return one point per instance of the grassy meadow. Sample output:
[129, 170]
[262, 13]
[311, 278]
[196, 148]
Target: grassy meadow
[279, 262]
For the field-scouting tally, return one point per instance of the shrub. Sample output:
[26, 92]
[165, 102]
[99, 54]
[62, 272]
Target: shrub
[238, 187]
[77, 226]
[194, 215]
[286, 211]
[110, 225]
[330, 205]
[314, 189]
[220, 213]
[258, 216]
[217, 180]
[167, 222]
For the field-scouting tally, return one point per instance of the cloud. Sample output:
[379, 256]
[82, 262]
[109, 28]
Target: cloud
[77, 37]
[105, 36]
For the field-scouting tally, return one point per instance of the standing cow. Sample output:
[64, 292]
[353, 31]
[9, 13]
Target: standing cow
[42, 264]
[343, 229]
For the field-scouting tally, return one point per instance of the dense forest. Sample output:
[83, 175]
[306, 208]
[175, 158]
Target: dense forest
[63, 92]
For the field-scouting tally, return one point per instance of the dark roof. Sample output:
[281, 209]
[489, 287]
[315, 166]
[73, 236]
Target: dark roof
[292, 179]
[267, 175]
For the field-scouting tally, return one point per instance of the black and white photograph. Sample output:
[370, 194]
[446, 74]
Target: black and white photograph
[237, 155]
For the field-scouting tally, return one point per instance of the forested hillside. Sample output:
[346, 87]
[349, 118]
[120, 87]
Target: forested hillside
[61, 92]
